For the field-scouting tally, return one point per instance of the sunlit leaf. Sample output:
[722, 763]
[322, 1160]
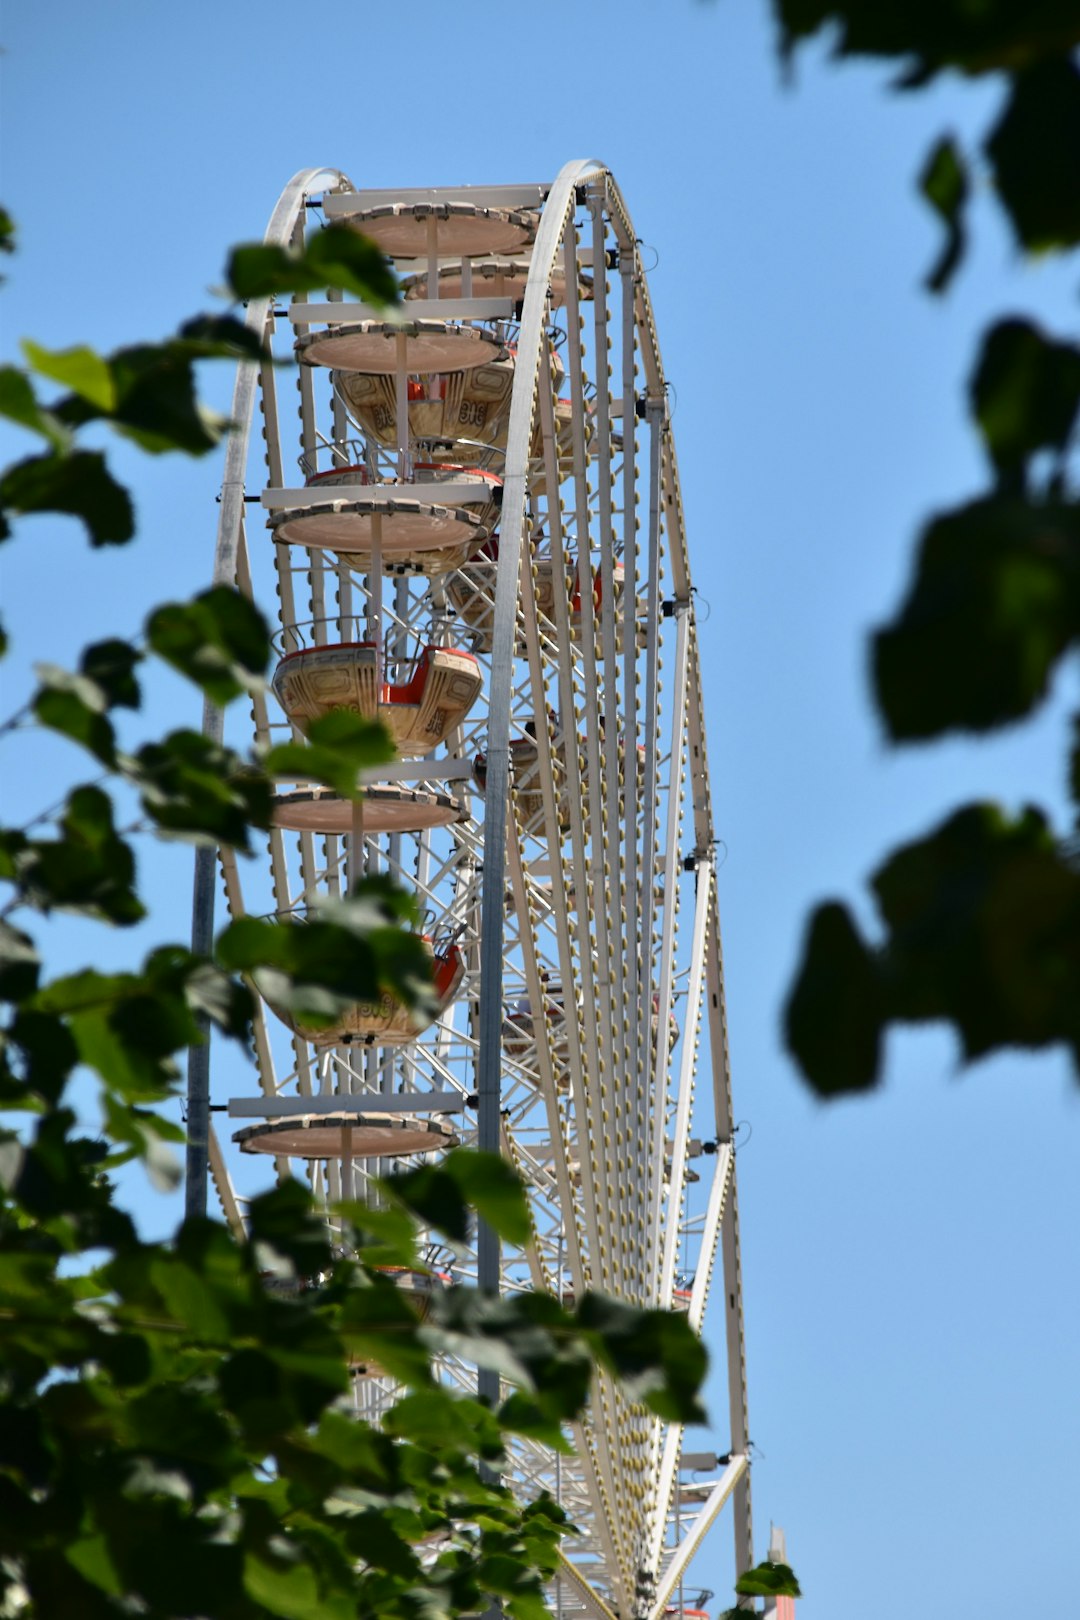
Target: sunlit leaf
[768, 1580]
[80, 369]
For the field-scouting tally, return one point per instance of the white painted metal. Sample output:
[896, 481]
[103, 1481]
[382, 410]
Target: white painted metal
[412, 1102]
[579, 1022]
[418, 309]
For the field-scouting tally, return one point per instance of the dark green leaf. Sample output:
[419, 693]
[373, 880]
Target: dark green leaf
[944, 184]
[111, 666]
[340, 744]
[20, 963]
[75, 705]
[220, 337]
[982, 931]
[337, 256]
[283, 1223]
[1025, 394]
[352, 951]
[222, 999]
[196, 789]
[154, 400]
[88, 869]
[836, 1009]
[656, 1354]
[528, 1339]
[48, 1054]
[19, 404]
[79, 484]
[994, 604]
[1035, 152]
[935, 34]
[983, 920]
[219, 640]
[442, 1194]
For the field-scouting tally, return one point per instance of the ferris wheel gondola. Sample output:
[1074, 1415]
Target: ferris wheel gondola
[487, 552]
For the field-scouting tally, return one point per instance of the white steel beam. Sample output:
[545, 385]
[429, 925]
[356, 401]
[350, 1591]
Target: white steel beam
[342, 204]
[356, 1102]
[418, 309]
[672, 1575]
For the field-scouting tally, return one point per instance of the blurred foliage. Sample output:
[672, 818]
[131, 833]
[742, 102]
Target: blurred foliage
[178, 1433]
[981, 917]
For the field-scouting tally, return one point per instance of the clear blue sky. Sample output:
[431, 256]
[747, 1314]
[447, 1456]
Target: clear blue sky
[909, 1260]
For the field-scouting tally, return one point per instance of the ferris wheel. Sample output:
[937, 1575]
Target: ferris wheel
[476, 535]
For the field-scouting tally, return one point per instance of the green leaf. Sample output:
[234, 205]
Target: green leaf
[935, 34]
[836, 1008]
[283, 1223]
[19, 404]
[944, 184]
[111, 665]
[194, 788]
[528, 1339]
[1035, 152]
[441, 1195]
[983, 920]
[155, 400]
[74, 705]
[768, 1580]
[222, 999]
[656, 1354]
[20, 963]
[1025, 393]
[89, 869]
[348, 952]
[291, 1592]
[994, 604]
[219, 640]
[340, 745]
[336, 256]
[221, 337]
[982, 931]
[79, 484]
[90, 1556]
[80, 369]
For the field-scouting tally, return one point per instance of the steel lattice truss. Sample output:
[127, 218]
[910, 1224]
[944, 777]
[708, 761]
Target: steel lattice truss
[592, 977]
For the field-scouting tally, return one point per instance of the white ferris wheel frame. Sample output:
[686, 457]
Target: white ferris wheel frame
[637, 1557]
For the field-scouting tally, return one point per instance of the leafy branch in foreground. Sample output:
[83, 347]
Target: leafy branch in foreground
[179, 1431]
[982, 916]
